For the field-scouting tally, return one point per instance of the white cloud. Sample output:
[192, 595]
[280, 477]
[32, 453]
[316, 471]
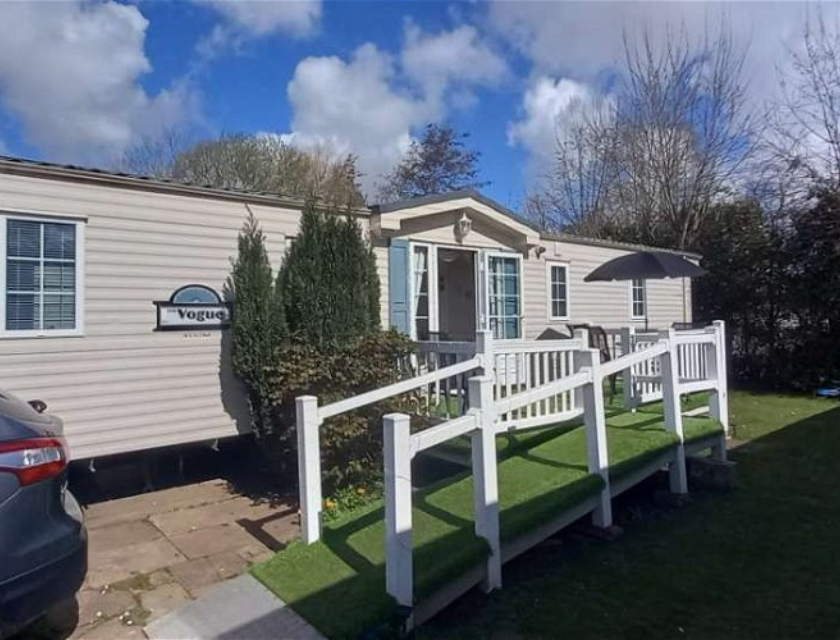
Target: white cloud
[354, 107]
[264, 17]
[370, 104]
[459, 57]
[242, 20]
[582, 39]
[547, 107]
[70, 73]
[583, 43]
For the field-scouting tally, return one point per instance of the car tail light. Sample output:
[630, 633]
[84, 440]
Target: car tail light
[33, 459]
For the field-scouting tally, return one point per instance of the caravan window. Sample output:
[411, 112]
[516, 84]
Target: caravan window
[558, 291]
[41, 277]
[639, 299]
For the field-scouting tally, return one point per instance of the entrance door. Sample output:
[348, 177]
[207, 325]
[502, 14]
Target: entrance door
[456, 294]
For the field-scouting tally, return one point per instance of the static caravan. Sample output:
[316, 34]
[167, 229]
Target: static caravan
[111, 284]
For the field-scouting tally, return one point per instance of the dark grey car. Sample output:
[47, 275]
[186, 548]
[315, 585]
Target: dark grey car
[43, 543]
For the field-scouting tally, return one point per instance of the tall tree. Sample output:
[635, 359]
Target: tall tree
[806, 119]
[257, 324]
[439, 162]
[251, 163]
[574, 195]
[667, 145]
[329, 281]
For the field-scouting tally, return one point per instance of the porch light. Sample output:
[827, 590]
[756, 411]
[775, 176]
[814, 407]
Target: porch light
[463, 227]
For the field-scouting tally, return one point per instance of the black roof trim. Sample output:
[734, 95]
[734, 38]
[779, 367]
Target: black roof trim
[614, 244]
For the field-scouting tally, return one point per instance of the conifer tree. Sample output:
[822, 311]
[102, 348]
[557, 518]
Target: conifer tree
[329, 281]
[257, 324]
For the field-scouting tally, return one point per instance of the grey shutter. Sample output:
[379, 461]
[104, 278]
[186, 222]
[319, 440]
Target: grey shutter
[399, 262]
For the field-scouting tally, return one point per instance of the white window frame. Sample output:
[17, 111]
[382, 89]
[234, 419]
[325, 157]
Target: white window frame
[633, 315]
[550, 265]
[79, 224]
[518, 258]
[432, 275]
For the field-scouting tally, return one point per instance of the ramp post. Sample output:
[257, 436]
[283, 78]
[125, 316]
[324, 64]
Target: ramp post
[628, 386]
[595, 423]
[307, 424]
[399, 572]
[485, 476]
[716, 365]
[673, 410]
[582, 335]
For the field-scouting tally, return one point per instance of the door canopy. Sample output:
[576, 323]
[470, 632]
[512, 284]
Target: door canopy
[468, 207]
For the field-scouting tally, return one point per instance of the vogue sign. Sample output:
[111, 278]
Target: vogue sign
[193, 307]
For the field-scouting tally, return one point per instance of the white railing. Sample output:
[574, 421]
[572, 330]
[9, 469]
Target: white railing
[524, 384]
[700, 354]
[446, 396]
[522, 365]
[487, 408]
[309, 418]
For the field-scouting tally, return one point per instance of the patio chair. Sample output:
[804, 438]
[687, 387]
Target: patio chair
[598, 340]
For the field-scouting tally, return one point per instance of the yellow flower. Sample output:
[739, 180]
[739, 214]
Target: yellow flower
[360, 491]
[330, 504]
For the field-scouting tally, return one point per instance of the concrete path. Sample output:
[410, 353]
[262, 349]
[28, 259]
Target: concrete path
[238, 608]
[151, 553]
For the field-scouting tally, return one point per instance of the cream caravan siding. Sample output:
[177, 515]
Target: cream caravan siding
[122, 386]
[601, 303]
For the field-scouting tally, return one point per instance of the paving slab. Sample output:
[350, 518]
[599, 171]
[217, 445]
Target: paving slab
[195, 574]
[255, 553]
[238, 608]
[163, 599]
[191, 518]
[108, 566]
[160, 577]
[96, 606]
[212, 540]
[113, 630]
[142, 506]
[119, 536]
[228, 564]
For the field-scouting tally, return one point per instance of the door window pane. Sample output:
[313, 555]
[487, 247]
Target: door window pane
[504, 303]
[420, 284]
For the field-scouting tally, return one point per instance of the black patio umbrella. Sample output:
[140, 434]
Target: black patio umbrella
[645, 265]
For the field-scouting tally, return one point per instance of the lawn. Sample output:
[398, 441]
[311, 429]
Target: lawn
[338, 584]
[760, 562]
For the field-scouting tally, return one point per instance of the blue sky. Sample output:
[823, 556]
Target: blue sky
[83, 80]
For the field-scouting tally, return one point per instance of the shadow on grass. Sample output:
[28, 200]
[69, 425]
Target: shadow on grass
[758, 562]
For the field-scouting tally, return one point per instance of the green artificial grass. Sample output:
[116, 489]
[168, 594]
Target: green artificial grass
[338, 584]
[758, 562]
